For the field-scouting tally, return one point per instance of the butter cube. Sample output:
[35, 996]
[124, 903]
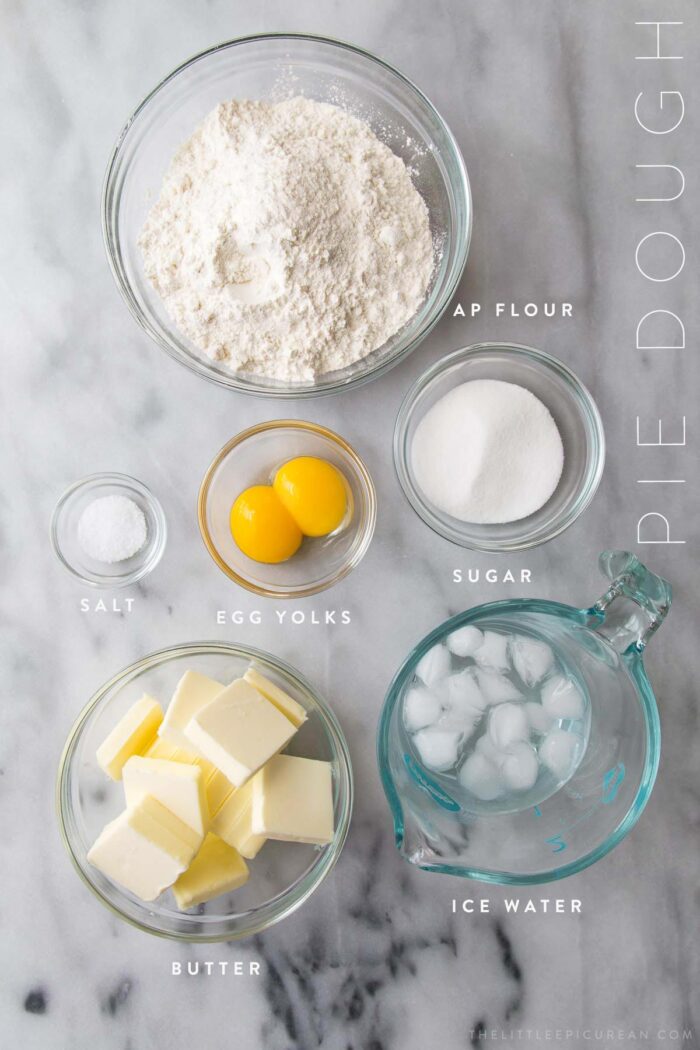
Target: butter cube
[162, 749]
[293, 800]
[233, 821]
[216, 786]
[283, 702]
[194, 691]
[132, 735]
[179, 787]
[216, 869]
[145, 849]
[239, 731]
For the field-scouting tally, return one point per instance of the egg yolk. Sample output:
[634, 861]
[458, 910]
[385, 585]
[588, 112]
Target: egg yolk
[314, 492]
[262, 527]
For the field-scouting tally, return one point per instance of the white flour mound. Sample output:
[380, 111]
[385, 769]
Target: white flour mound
[287, 241]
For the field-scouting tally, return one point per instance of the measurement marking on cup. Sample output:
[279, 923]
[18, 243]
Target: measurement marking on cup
[557, 843]
[611, 783]
[579, 820]
[433, 789]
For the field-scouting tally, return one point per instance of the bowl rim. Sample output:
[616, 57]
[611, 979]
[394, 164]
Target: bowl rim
[200, 367]
[581, 395]
[362, 472]
[307, 883]
[634, 665]
[127, 482]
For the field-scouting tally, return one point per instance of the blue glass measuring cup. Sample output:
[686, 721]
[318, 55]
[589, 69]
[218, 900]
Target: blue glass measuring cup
[603, 799]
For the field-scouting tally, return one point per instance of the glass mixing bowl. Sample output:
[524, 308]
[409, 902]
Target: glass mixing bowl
[602, 647]
[64, 531]
[251, 458]
[573, 409]
[283, 875]
[273, 67]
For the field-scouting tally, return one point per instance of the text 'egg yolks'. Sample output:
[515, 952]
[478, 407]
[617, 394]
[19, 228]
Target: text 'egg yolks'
[314, 492]
[262, 527]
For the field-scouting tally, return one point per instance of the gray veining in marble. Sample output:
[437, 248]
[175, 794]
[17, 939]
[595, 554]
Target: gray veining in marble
[540, 96]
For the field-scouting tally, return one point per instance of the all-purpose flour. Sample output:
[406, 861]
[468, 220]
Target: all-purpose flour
[287, 241]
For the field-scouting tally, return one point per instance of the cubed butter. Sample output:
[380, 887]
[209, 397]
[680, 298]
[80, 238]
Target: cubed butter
[293, 800]
[216, 786]
[233, 821]
[162, 749]
[179, 787]
[239, 731]
[145, 849]
[132, 735]
[194, 691]
[217, 869]
[283, 702]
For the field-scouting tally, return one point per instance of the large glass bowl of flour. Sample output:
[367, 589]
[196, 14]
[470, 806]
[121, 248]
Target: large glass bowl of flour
[273, 68]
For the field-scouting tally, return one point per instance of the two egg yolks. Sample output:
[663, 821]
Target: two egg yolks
[308, 497]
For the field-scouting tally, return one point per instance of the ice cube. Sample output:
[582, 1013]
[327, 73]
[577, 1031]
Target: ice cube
[532, 659]
[437, 747]
[496, 687]
[540, 721]
[420, 708]
[463, 701]
[465, 640]
[463, 722]
[519, 767]
[507, 724]
[558, 752]
[485, 746]
[493, 652]
[462, 690]
[434, 665]
[479, 776]
[562, 698]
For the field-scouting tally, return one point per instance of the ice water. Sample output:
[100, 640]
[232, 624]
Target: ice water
[497, 716]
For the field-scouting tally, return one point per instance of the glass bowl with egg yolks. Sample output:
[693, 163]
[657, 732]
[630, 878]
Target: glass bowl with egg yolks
[282, 876]
[253, 459]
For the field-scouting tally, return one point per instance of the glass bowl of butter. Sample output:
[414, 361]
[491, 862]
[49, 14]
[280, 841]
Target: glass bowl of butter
[210, 840]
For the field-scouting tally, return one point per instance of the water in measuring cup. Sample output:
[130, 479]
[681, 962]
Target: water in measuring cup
[496, 717]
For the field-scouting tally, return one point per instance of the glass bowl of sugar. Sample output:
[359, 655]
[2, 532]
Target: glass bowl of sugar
[108, 530]
[499, 447]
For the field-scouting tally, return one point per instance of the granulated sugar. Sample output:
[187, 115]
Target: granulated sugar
[488, 452]
[288, 241]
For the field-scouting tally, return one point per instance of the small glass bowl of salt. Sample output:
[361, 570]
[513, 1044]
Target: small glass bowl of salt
[108, 530]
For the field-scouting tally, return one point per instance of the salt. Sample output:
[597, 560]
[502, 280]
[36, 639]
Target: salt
[112, 529]
[488, 452]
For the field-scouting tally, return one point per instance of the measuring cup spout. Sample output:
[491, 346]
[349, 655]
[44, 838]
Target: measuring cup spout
[634, 605]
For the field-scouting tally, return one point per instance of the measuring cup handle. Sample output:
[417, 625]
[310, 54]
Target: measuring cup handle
[642, 600]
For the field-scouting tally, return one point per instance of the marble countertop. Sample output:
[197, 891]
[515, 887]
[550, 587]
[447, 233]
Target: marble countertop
[540, 97]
